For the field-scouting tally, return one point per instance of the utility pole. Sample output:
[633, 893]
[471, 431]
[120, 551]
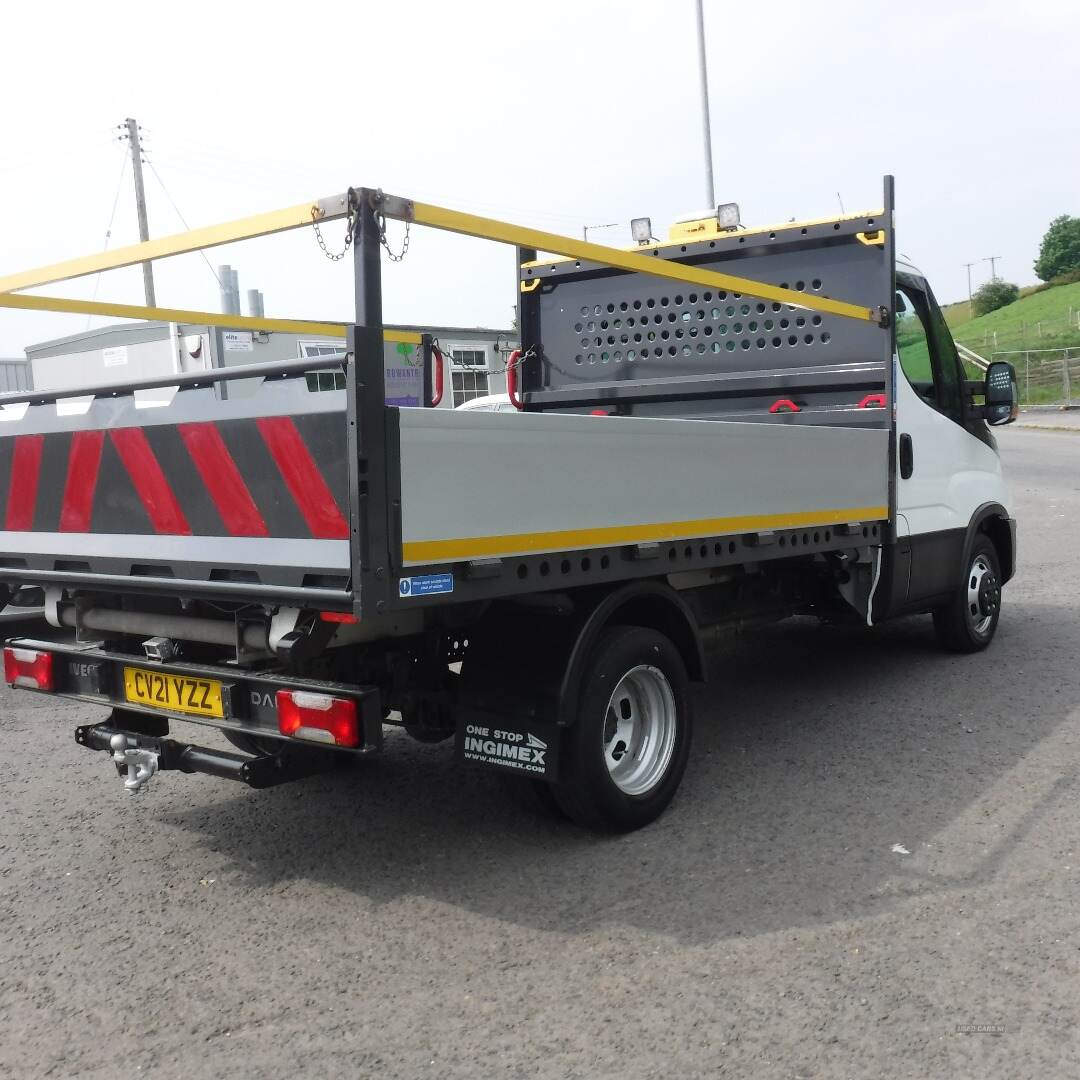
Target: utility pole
[992, 260]
[710, 193]
[140, 205]
[971, 309]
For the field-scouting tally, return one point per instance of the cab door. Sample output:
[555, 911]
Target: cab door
[947, 464]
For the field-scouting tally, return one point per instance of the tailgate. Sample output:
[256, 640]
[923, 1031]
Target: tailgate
[248, 494]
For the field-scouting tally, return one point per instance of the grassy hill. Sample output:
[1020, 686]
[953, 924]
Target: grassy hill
[1038, 320]
[1043, 320]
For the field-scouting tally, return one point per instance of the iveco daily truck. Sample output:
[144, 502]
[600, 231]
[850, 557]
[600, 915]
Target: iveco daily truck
[723, 426]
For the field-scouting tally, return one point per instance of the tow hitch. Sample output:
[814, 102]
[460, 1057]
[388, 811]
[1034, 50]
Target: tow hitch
[138, 758]
[140, 763]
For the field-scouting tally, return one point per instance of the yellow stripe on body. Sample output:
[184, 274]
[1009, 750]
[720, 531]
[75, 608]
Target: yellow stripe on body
[180, 315]
[486, 547]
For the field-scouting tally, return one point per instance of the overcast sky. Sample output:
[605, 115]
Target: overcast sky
[557, 114]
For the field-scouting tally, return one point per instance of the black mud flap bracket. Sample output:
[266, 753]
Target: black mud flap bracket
[138, 758]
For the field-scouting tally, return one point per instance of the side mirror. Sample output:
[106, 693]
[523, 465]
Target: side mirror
[1001, 395]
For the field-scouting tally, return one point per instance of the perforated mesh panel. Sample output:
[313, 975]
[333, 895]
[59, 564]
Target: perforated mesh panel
[627, 336]
[673, 325]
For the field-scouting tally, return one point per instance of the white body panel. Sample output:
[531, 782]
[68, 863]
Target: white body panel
[484, 485]
[955, 473]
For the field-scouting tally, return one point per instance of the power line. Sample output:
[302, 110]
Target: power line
[183, 220]
[112, 218]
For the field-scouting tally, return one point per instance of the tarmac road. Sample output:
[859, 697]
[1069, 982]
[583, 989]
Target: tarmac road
[413, 920]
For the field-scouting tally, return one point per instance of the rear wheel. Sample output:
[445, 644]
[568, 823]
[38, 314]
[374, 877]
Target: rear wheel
[626, 752]
[968, 622]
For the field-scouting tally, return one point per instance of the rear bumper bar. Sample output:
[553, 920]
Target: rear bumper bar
[95, 675]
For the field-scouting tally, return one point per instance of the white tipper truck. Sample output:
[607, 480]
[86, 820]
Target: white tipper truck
[689, 450]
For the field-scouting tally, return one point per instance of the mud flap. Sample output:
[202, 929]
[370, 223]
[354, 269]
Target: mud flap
[527, 748]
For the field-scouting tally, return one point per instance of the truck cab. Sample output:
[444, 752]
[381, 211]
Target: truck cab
[950, 489]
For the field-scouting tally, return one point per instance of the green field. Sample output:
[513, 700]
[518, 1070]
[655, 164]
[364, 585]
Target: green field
[1036, 321]
[1003, 333]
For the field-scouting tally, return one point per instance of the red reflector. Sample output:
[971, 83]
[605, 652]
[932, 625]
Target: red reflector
[28, 667]
[318, 717]
[784, 404]
[338, 616]
[873, 401]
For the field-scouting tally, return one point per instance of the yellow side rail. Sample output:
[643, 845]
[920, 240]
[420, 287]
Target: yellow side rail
[342, 206]
[182, 315]
[489, 229]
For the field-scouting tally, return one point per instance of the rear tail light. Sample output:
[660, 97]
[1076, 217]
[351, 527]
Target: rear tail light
[338, 617]
[318, 717]
[28, 667]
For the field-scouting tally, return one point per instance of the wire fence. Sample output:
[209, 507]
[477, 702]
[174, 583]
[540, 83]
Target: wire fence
[1049, 377]
[1019, 337]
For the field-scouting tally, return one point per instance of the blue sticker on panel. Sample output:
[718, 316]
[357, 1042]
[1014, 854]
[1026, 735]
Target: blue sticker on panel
[426, 585]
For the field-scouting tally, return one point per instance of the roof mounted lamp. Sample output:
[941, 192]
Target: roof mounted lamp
[727, 216]
[641, 230]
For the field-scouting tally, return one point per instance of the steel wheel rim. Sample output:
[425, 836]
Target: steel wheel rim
[640, 724]
[981, 595]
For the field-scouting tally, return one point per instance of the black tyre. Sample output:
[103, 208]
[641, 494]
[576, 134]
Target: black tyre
[968, 622]
[624, 756]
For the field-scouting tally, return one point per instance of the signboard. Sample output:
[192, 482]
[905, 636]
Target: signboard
[237, 341]
[403, 367]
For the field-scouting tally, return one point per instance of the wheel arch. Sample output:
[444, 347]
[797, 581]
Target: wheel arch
[993, 520]
[651, 604]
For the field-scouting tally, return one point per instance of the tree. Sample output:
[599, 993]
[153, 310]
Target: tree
[994, 294]
[1059, 251]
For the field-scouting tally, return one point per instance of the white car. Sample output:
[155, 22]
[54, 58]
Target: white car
[488, 403]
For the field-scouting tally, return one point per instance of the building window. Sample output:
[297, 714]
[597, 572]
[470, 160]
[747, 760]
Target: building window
[468, 374]
[331, 378]
[469, 358]
[325, 380]
[468, 385]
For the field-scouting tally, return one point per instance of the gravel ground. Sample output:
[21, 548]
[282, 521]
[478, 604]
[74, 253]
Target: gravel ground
[413, 919]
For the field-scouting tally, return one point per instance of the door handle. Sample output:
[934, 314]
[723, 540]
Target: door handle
[907, 457]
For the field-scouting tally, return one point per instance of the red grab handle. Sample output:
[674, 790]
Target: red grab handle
[783, 404]
[512, 379]
[873, 401]
[437, 393]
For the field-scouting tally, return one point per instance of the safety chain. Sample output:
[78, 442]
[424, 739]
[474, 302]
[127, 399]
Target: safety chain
[398, 256]
[528, 354]
[507, 365]
[351, 229]
[350, 222]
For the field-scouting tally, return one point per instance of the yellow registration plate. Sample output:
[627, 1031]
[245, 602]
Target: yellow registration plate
[176, 693]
